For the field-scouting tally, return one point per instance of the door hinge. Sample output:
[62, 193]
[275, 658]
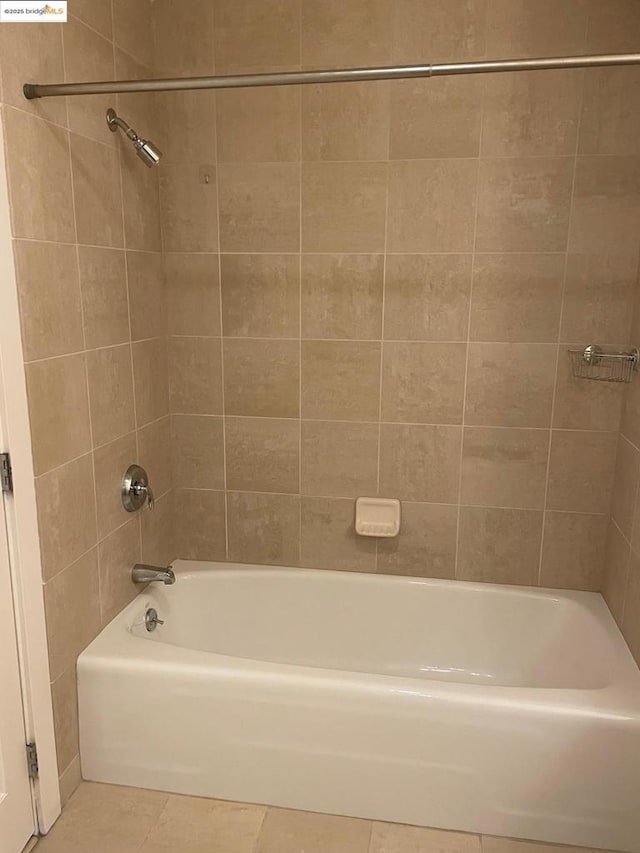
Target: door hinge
[32, 760]
[6, 474]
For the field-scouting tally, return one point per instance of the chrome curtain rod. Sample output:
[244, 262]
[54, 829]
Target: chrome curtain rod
[346, 75]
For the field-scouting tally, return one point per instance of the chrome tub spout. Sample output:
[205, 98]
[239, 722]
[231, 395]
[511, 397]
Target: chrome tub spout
[152, 574]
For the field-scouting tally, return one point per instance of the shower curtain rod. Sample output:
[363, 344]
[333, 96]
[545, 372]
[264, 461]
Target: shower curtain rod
[345, 75]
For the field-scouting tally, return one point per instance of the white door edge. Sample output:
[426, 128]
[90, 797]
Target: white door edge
[22, 523]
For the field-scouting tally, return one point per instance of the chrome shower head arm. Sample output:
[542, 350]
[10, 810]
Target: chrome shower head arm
[145, 149]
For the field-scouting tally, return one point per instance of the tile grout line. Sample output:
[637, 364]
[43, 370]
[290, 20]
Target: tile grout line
[580, 106]
[220, 304]
[468, 336]
[382, 319]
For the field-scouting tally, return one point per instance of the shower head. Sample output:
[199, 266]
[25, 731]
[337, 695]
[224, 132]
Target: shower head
[145, 149]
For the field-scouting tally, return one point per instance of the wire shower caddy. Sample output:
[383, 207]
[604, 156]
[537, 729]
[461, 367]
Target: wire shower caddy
[593, 362]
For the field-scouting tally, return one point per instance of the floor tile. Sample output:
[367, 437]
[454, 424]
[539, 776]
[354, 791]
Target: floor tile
[104, 819]
[492, 844]
[287, 831]
[395, 838]
[191, 825]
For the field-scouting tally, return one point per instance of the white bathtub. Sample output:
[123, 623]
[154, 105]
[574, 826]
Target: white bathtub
[483, 708]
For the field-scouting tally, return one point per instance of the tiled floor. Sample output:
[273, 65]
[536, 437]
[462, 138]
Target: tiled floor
[108, 819]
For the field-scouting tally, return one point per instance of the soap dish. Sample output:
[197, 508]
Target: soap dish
[378, 517]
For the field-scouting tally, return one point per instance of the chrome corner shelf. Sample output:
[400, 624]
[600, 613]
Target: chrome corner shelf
[593, 362]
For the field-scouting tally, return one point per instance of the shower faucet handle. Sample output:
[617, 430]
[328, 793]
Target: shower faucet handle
[136, 490]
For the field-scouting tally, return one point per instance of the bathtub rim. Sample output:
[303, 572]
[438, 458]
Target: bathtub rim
[118, 647]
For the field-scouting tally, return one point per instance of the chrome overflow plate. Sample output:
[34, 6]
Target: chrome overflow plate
[151, 620]
[136, 491]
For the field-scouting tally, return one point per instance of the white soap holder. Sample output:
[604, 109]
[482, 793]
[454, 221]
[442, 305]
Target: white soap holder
[378, 517]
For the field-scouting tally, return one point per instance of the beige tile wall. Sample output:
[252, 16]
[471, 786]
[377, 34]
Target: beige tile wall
[373, 287]
[85, 216]
[621, 583]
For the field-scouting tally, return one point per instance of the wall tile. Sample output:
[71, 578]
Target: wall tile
[200, 525]
[262, 378]
[88, 56]
[159, 531]
[499, 545]
[342, 296]
[341, 380]
[259, 125]
[96, 192]
[259, 207]
[437, 117]
[32, 54]
[573, 551]
[328, 539]
[105, 307]
[504, 467]
[150, 380]
[132, 31]
[609, 124]
[517, 297]
[195, 376]
[59, 411]
[543, 28]
[581, 468]
[261, 295]
[426, 545]
[188, 122]
[510, 384]
[337, 34]
[427, 297]
[626, 478]
[598, 298]
[523, 204]
[631, 619]
[614, 27]
[343, 207]
[64, 697]
[117, 555]
[184, 45]
[39, 174]
[438, 30]
[432, 205]
[263, 455]
[51, 317]
[110, 379]
[420, 463]
[95, 13]
[530, 114]
[339, 459]
[189, 209]
[75, 590]
[111, 462]
[154, 454]
[193, 294]
[581, 404]
[616, 572]
[606, 206]
[345, 121]
[67, 527]
[197, 445]
[147, 295]
[71, 778]
[141, 203]
[263, 528]
[630, 425]
[423, 382]
[245, 35]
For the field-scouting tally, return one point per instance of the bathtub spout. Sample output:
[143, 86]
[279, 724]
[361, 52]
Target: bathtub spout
[149, 574]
